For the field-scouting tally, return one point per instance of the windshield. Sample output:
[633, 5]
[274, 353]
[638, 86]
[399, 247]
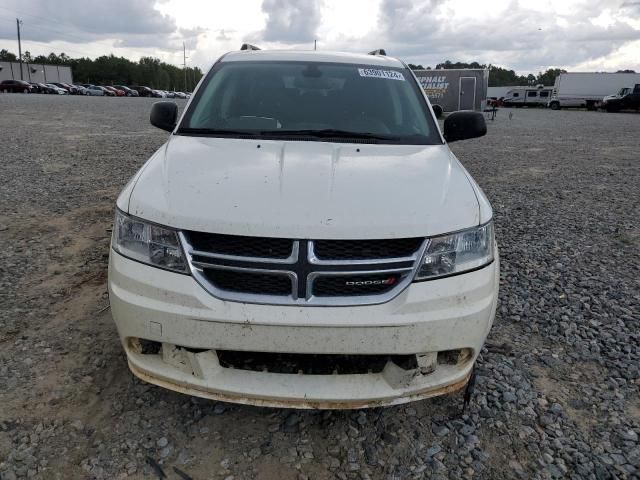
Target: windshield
[320, 101]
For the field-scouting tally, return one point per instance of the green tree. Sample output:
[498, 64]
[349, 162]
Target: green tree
[6, 56]
[501, 77]
[549, 77]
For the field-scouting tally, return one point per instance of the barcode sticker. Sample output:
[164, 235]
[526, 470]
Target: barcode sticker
[375, 73]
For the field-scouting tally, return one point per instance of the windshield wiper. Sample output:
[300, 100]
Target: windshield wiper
[329, 133]
[323, 133]
[217, 131]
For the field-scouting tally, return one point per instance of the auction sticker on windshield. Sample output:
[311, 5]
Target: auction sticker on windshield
[375, 73]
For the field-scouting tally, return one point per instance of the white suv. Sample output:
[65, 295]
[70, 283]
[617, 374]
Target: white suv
[305, 238]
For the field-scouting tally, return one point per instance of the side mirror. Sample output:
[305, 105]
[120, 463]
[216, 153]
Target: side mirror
[437, 110]
[164, 115]
[464, 125]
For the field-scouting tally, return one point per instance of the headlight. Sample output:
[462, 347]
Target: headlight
[457, 252]
[148, 243]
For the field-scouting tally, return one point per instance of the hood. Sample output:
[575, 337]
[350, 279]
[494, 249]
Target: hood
[300, 189]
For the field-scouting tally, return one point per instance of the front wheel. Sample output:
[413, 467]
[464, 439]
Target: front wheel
[555, 106]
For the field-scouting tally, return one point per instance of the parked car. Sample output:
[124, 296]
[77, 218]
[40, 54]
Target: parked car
[95, 91]
[628, 99]
[127, 91]
[158, 94]
[169, 94]
[181, 95]
[15, 86]
[119, 92]
[36, 88]
[143, 91]
[44, 88]
[81, 90]
[72, 90]
[109, 91]
[305, 238]
[57, 90]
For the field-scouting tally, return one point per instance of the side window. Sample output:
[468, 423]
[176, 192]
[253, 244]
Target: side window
[532, 94]
[544, 94]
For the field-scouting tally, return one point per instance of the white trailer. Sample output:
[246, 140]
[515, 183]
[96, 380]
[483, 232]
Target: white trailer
[584, 89]
[527, 96]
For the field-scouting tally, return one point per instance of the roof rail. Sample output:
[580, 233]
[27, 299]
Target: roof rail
[248, 46]
[379, 51]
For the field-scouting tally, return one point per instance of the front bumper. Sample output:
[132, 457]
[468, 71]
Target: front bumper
[453, 313]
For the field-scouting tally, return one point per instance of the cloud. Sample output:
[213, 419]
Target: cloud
[432, 31]
[290, 21]
[526, 35]
[223, 35]
[132, 22]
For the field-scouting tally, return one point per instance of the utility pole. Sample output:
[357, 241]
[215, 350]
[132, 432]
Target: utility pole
[184, 65]
[315, 44]
[18, 22]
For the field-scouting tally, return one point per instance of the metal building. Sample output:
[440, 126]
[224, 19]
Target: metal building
[35, 72]
[463, 89]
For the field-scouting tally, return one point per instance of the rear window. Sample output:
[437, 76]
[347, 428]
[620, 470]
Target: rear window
[271, 99]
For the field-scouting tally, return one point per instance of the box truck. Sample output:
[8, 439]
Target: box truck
[582, 89]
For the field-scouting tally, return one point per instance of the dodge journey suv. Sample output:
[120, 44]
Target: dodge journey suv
[305, 238]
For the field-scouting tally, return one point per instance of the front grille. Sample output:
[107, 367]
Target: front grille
[249, 282]
[311, 364]
[352, 285]
[366, 249]
[301, 272]
[261, 247]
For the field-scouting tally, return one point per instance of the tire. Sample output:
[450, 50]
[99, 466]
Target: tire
[591, 106]
[554, 106]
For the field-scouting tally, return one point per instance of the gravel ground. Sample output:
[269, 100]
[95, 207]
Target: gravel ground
[557, 391]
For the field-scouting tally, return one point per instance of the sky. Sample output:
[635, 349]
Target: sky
[524, 35]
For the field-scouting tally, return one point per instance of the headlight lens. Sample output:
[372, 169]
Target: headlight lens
[457, 252]
[148, 243]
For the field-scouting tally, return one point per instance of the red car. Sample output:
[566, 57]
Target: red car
[116, 91]
[15, 86]
[109, 91]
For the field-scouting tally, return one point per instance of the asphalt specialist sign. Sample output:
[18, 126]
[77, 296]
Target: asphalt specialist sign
[435, 86]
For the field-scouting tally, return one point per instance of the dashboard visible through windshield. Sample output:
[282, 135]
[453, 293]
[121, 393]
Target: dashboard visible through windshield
[319, 101]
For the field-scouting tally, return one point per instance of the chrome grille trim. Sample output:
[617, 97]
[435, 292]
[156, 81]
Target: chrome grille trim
[290, 259]
[302, 259]
[316, 261]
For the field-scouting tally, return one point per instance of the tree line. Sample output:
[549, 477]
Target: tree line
[112, 70]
